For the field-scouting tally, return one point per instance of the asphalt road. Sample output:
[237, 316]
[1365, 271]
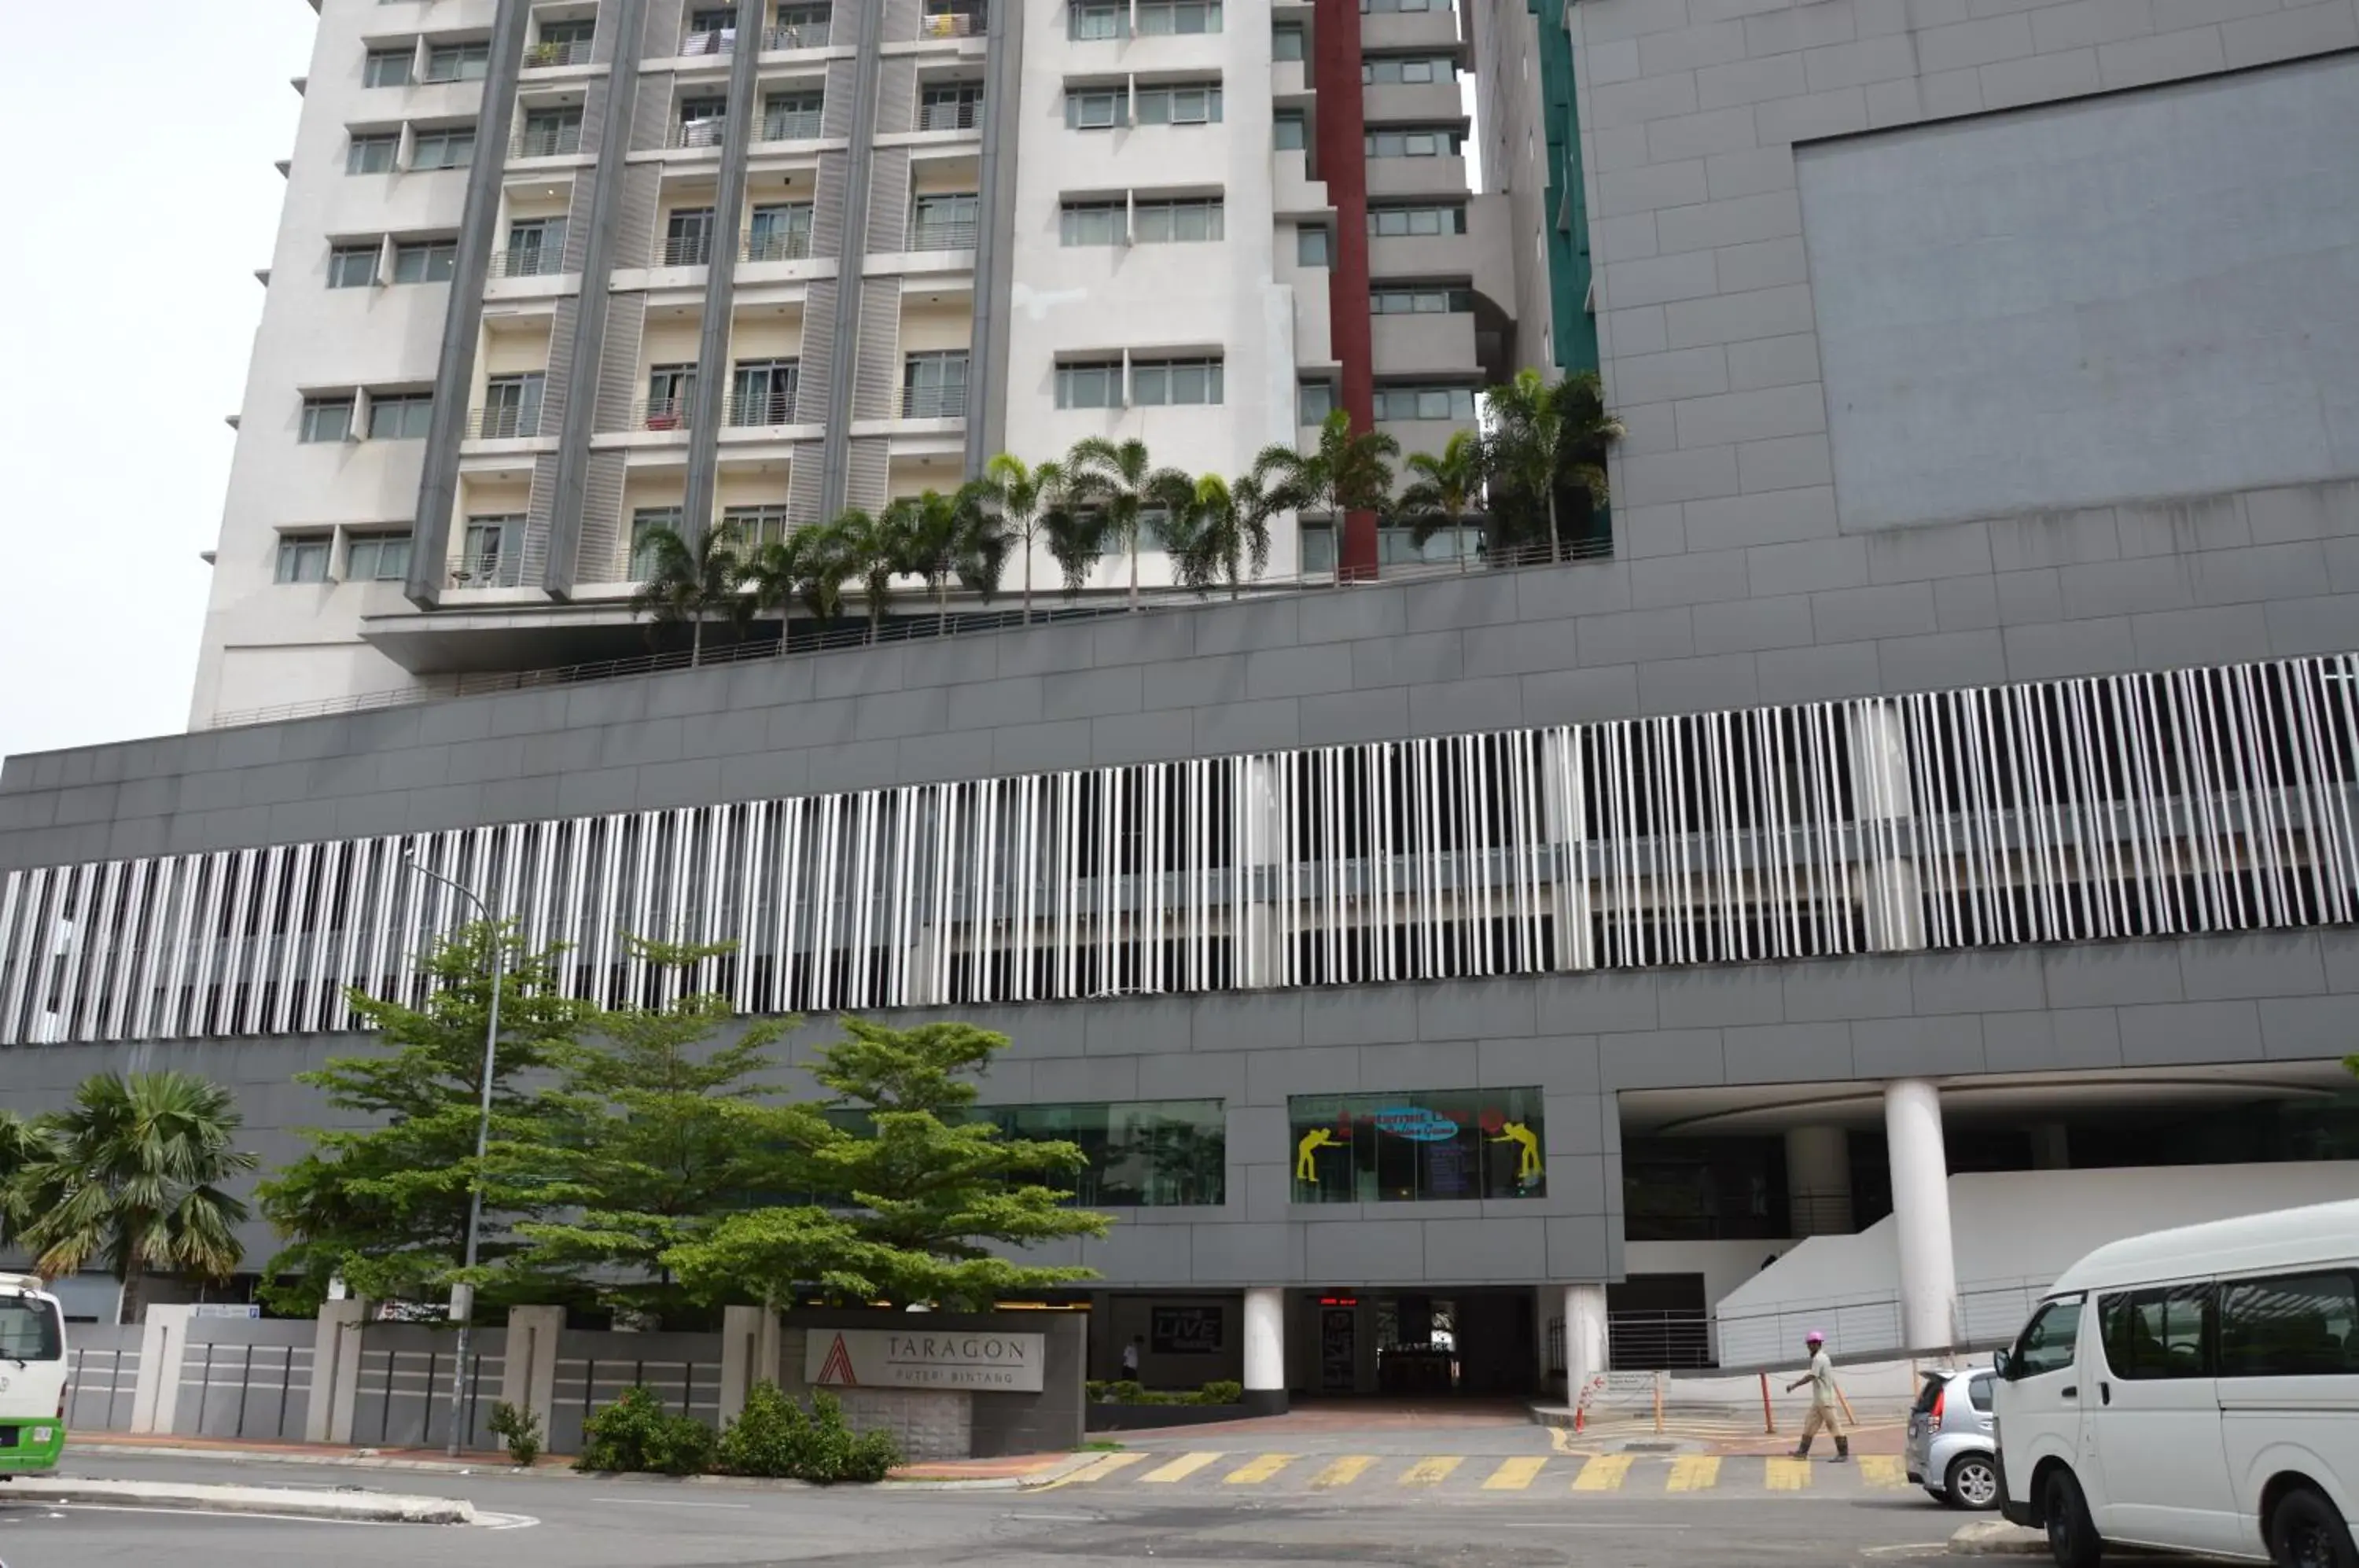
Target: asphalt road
[654, 1524]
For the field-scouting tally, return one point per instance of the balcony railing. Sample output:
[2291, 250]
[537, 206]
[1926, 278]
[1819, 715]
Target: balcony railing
[761, 410]
[489, 571]
[808, 35]
[660, 414]
[699, 133]
[790, 245]
[503, 424]
[965, 116]
[941, 234]
[684, 250]
[972, 23]
[547, 141]
[535, 261]
[792, 126]
[540, 57]
[933, 402]
[723, 42]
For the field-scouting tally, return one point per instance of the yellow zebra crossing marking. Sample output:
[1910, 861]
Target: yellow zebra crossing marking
[1782, 1474]
[1514, 1474]
[1179, 1469]
[1343, 1472]
[1258, 1471]
[1431, 1472]
[1098, 1469]
[1603, 1474]
[1693, 1473]
[1882, 1470]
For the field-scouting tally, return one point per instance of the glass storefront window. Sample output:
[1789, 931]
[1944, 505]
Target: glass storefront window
[1145, 1154]
[1434, 1145]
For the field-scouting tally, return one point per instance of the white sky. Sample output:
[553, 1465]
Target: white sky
[127, 309]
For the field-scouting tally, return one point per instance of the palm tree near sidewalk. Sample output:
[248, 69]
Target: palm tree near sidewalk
[1349, 471]
[691, 581]
[1028, 503]
[1544, 439]
[1118, 481]
[1446, 491]
[944, 537]
[131, 1176]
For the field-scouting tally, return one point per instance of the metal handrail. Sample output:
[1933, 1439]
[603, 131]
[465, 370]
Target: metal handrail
[964, 115]
[792, 126]
[793, 244]
[548, 141]
[489, 571]
[704, 133]
[683, 250]
[503, 424]
[941, 234]
[527, 261]
[968, 24]
[662, 413]
[810, 35]
[544, 55]
[722, 43]
[933, 402]
[776, 408]
[851, 630]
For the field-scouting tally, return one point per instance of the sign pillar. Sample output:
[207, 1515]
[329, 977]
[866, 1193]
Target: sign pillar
[1266, 1350]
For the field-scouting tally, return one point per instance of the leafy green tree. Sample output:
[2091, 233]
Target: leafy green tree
[870, 550]
[1216, 531]
[944, 537]
[1349, 471]
[1024, 499]
[1446, 491]
[383, 1203]
[20, 1143]
[132, 1174]
[925, 1186]
[1545, 442]
[801, 569]
[691, 581]
[1118, 481]
[649, 1145]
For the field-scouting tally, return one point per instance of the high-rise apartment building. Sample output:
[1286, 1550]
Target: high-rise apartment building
[553, 274]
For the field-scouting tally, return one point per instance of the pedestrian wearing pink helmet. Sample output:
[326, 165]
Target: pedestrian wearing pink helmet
[1822, 1416]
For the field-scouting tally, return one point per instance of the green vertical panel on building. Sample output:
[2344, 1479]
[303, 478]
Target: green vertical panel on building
[1568, 209]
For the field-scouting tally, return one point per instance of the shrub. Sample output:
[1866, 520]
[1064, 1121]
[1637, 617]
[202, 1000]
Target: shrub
[1223, 1392]
[635, 1432]
[776, 1437]
[1128, 1392]
[520, 1430]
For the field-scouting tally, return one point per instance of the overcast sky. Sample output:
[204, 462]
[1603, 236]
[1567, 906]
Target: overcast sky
[129, 300]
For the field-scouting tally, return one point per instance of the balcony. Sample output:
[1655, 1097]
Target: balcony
[503, 424]
[1421, 103]
[683, 250]
[706, 133]
[1439, 345]
[491, 569]
[1393, 32]
[527, 261]
[933, 402]
[965, 116]
[662, 414]
[969, 22]
[806, 34]
[760, 411]
[941, 234]
[792, 126]
[547, 56]
[547, 141]
[1404, 176]
[721, 43]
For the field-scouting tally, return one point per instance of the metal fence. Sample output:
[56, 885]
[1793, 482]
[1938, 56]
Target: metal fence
[402, 1395]
[255, 1383]
[103, 1376]
[593, 1370]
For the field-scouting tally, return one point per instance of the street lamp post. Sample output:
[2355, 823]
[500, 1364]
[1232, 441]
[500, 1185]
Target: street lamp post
[462, 1294]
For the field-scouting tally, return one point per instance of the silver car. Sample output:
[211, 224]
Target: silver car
[1952, 1441]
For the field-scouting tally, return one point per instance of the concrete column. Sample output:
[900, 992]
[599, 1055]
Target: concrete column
[335, 1371]
[1586, 1353]
[1818, 1181]
[750, 1343]
[1266, 1350]
[163, 1343]
[1886, 882]
[2051, 1148]
[1921, 1214]
[528, 1368]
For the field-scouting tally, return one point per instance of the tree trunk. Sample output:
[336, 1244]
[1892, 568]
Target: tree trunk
[1134, 569]
[696, 641]
[132, 1299]
[1027, 580]
[942, 609]
[1556, 540]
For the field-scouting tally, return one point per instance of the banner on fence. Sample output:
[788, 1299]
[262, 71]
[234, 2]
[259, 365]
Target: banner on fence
[976, 1359]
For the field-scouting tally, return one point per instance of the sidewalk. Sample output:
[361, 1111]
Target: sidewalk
[1008, 1472]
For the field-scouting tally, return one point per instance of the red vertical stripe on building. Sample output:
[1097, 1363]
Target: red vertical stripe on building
[1343, 165]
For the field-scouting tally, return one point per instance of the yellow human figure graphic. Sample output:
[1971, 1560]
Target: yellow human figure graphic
[1313, 1142]
[1528, 1150]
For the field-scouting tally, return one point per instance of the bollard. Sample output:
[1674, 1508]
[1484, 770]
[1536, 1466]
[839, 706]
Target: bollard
[1768, 1416]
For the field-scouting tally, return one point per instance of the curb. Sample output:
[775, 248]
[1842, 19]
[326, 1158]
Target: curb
[367, 1508]
[1997, 1537]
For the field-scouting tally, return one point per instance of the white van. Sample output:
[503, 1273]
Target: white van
[2196, 1390]
[32, 1378]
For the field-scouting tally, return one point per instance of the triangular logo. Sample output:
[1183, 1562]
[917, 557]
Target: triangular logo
[836, 1370]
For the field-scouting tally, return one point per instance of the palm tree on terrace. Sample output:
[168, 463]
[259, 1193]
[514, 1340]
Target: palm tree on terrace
[940, 537]
[1116, 480]
[1217, 530]
[1544, 440]
[1026, 500]
[1349, 471]
[869, 550]
[1447, 490]
[692, 581]
[800, 569]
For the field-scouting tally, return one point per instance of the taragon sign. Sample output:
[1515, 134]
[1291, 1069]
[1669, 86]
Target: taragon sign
[981, 1360]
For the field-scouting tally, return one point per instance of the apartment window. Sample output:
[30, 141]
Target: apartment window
[303, 558]
[1093, 108]
[458, 62]
[327, 418]
[1155, 382]
[388, 67]
[1179, 223]
[1092, 385]
[376, 558]
[1089, 19]
[1286, 42]
[400, 416]
[1314, 246]
[700, 122]
[801, 27]
[425, 261]
[688, 237]
[1441, 219]
[1411, 143]
[945, 222]
[954, 106]
[1425, 403]
[444, 150]
[1090, 224]
[1418, 1147]
[511, 406]
[1313, 401]
[791, 116]
[751, 527]
[646, 523]
[762, 392]
[564, 42]
[1421, 301]
[352, 267]
[549, 133]
[488, 557]
[1318, 549]
[371, 153]
[780, 232]
[1407, 70]
[671, 390]
[1166, 17]
[711, 29]
[1290, 131]
[536, 246]
[933, 386]
[1191, 104]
